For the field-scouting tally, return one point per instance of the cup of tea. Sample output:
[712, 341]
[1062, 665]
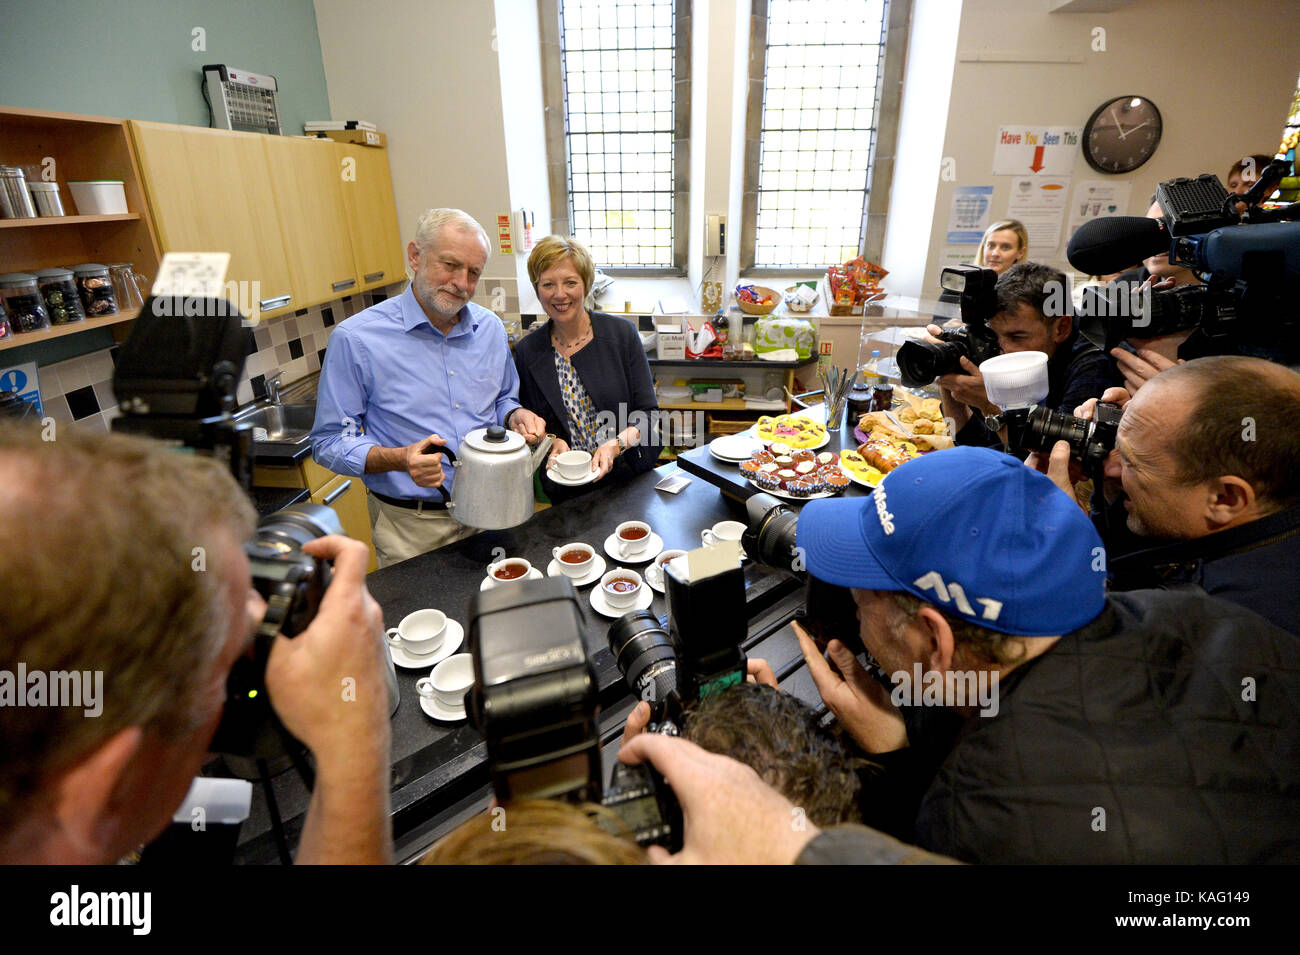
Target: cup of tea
[511, 568]
[633, 537]
[419, 633]
[723, 531]
[573, 464]
[621, 587]
[574, 560]
[656, 570]
[449, 681]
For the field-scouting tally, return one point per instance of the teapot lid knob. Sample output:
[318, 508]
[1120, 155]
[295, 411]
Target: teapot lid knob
[496, 434]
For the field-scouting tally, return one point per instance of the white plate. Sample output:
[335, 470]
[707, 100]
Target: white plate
[443, 714]
[489, 583]
[450, 643]
[652, 549]
[593, 575]
[600, 605]
[790, 497]
[558, 478]
[768, 442]
[734, 448]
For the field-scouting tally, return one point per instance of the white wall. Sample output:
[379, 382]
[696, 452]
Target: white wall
[1222, 75]
[426, 72]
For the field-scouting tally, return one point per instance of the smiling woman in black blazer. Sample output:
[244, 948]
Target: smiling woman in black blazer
[585, 373]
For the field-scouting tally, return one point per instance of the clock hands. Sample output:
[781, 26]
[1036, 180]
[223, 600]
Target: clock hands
[1118, 128]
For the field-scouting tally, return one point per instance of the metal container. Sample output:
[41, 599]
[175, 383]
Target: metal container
[96, 288]
[62, 299]
[494, 478]
[45, 196]
[22, 300]
[18, 201]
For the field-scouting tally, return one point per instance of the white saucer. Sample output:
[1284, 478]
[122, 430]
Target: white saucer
[436, 710]
[651, 551]
[489, 583]
[450, 643]
[558, 478]
[598, 603]
[593, 575]
[734, 448]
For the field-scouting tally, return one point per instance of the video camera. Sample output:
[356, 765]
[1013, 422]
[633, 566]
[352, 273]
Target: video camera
[1248, 261]
[175, 380]
[921, 362]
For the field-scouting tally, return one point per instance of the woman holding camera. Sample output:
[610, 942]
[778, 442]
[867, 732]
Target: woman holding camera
[585, 373]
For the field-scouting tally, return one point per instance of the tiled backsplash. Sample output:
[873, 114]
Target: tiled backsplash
[81, 389]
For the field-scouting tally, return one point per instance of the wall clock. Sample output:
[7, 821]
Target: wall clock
[1121, 134]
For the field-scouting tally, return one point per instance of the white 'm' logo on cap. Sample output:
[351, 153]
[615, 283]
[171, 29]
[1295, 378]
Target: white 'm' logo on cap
[954, 593]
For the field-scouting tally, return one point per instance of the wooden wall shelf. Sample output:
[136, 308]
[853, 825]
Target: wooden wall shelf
[66, 220]
[58, 331]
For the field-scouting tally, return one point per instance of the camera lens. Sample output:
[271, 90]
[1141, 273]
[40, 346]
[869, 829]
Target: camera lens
[921, 362]
[645, 655]
[284, 532]
[1046, 427]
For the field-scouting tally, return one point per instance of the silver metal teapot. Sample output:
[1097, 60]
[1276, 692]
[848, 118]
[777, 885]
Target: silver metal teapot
[493, 489]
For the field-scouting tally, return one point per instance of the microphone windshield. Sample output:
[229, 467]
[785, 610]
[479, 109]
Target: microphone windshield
[1114, 243]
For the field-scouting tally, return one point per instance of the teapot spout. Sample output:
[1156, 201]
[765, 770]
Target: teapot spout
[539, 453]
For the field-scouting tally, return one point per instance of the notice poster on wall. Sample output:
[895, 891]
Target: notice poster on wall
[1039, 202]
[1036, 150]
[968, 216]
[23, 380]
[1097, 198]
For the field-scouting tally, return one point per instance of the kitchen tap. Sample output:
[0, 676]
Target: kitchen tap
[273, 388]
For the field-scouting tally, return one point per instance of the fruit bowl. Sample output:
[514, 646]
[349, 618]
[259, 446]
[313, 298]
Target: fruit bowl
[759, 293]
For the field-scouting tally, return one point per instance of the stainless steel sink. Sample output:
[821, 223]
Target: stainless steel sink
[285, 423]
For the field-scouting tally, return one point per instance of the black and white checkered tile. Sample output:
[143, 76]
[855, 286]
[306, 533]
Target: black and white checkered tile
[81, 389]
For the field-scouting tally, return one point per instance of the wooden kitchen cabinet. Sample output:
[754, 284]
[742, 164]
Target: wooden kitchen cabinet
[326, 487]
[210, 191]
[347, 495]
[377, 243]
[306, 179]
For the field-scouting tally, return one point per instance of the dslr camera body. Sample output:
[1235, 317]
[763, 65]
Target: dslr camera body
[921, 362]
[535, 700]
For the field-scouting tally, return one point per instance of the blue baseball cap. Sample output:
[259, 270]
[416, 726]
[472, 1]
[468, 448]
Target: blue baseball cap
[972, 531]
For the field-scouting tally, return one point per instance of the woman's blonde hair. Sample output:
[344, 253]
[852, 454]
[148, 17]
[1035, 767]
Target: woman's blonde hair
[553, 250]
[537, 832]
[1016, 226]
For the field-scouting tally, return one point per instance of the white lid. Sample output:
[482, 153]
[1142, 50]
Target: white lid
[1016, 380]
[478, 440]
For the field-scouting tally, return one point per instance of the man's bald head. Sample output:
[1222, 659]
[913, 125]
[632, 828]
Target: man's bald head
[1233, 415]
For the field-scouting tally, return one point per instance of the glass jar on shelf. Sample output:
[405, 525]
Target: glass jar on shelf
[22, 298]
[59, 292]
[96, 287]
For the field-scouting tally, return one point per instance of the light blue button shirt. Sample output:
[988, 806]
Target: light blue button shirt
[390, 378]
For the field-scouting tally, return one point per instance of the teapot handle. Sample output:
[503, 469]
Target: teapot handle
[450, 455]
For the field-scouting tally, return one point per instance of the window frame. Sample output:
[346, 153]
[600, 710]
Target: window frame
[555, 98]
[880, 163]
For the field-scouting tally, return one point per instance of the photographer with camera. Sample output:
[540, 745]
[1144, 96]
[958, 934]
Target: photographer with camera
[1201, 488]
[1019, 699]
[1077, 370]
[129, 589]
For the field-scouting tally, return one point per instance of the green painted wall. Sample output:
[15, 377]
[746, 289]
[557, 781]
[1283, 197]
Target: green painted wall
[135, 59]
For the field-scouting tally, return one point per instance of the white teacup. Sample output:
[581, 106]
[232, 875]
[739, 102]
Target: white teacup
[504, 566]
[419, 633]
[573, 464]
[624, 598]
[449, 681]
[656, 570]
[723, 531]
[632, 547]
[574, 569]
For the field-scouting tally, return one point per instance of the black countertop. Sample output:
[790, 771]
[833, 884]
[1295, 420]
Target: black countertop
[268, 500]
[440, 770]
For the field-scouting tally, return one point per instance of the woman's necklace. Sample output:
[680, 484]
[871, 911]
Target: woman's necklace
[571, 346]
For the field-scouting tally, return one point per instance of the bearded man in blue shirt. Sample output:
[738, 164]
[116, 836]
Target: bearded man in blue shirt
[412, 374]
